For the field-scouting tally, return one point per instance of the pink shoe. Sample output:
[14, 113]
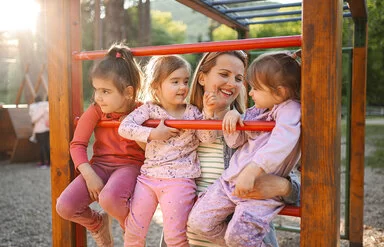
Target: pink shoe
[103, 237]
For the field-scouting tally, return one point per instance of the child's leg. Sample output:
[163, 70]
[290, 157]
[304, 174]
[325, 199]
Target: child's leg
[73, 203]
[208, 216]
[40, 141]
[250, 222]
[176, 197]
[143, 206]
[114, 197]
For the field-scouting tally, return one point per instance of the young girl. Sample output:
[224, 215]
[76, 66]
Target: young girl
[110, 176]
[171, 163]
[275, 81]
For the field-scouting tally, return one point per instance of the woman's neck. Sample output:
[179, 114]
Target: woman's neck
[220, 113]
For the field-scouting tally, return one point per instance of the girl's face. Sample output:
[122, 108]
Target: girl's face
[265, 98]
[174, 89]
[225, 79]
[108, 97]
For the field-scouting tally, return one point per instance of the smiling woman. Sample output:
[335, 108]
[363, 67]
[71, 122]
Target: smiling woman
[18, 15]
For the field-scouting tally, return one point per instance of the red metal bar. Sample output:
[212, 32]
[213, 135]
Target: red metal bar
[291, 211]
[198, 124]
[210, 125]
[243, 44]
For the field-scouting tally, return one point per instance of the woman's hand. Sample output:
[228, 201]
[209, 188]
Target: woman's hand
[245, 182]
[230, 121]
[210, 103]
[162, 132]
[94, 183]
[268, 186]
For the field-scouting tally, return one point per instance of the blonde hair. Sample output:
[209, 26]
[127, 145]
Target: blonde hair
[205, 65]
[158, 69]
[273, 70]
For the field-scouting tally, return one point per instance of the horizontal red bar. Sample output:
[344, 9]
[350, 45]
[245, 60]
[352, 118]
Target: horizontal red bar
[199, 124]
[291, 211]
[241, 44]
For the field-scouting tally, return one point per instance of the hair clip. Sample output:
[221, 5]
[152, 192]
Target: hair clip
[118, 54]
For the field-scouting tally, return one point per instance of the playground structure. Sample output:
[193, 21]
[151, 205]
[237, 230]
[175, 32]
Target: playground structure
[33, 87]
[15, 130]
[321, 108]
[16, 125]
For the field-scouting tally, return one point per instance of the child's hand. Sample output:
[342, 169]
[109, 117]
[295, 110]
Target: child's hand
[210, 102]
[162, 132]
[245, 182]
[94, 183]
[230, 120]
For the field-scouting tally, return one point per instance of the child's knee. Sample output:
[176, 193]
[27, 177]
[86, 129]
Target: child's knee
[197, 224]
[64, 208]
[110, 199]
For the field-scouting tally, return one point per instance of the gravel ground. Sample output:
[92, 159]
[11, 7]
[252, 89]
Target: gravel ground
[25, 210]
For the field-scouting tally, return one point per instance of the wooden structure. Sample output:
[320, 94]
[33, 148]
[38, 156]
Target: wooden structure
[33, 87]
[15, 130]
[321, 113]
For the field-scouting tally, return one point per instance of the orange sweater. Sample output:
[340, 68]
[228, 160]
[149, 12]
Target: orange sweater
[109, 147]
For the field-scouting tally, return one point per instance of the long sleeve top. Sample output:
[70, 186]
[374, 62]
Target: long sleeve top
[109, 147]
[39, 113]
[276, 152]
[172, 158]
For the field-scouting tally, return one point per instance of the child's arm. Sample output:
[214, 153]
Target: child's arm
[284, 138]
[36, 113]
[83, 132]
[131, 127]
[94, 183]
[232, 137]
[78, 148]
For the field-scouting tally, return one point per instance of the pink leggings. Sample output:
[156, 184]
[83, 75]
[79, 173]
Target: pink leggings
[176, 197]
[73, 203]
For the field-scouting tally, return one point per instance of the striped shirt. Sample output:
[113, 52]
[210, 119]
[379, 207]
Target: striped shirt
[212, 166]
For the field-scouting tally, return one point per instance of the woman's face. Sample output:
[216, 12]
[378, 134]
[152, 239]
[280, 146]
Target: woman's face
[225, 79]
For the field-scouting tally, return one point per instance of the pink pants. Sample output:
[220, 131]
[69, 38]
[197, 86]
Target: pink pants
[176, 197]
[73, 203]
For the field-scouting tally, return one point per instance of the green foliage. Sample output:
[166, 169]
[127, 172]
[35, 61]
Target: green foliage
[374, 139]
[165, 30]
[224, 32]
[375, 72]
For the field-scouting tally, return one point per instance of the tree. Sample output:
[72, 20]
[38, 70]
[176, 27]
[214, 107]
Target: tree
[115, 29]
[165, 30]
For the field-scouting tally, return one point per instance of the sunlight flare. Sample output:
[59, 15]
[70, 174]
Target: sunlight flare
[20, 15]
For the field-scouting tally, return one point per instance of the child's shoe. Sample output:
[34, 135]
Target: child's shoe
[103, 236]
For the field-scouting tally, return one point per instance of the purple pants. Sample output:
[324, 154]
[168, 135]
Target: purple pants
[176, 197]
[73, 203]
[248, 226]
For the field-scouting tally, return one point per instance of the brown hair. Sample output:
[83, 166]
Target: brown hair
[120, 67]
[274, 70]
[207, 62]
[158, 69]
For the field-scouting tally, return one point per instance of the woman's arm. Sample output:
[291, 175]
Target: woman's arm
[268, 186]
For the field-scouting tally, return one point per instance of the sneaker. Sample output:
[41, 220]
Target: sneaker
[103, 236]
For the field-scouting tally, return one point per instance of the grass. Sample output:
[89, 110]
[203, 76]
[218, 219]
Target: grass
[374, 143]
[374, 138]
